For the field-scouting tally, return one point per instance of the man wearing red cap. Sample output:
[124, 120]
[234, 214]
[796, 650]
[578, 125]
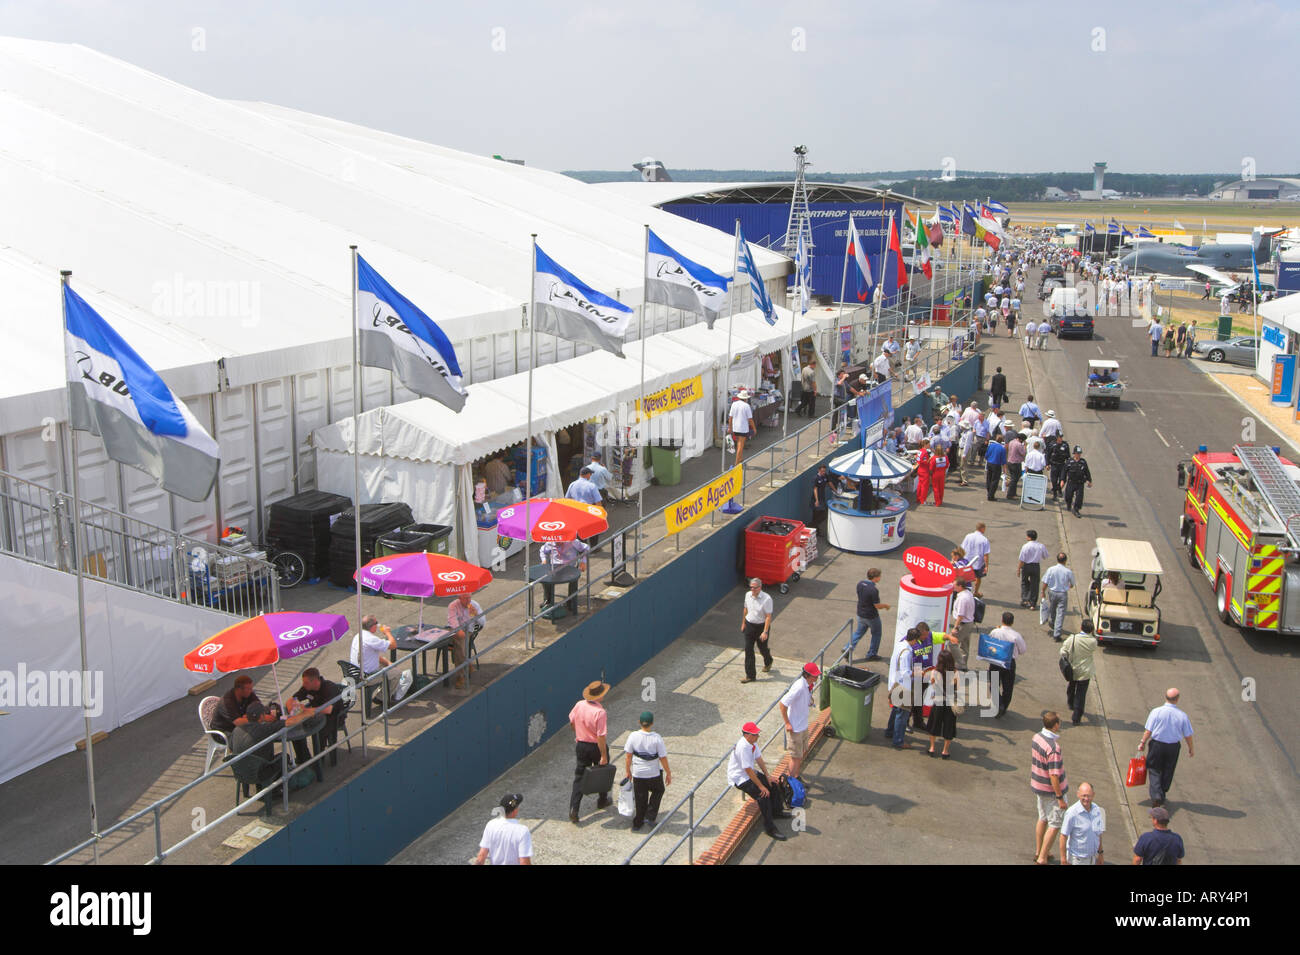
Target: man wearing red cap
[748, 773]
[795, 706]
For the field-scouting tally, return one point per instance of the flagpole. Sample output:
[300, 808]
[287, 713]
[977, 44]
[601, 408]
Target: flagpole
[356, 471]
[643, 424]
[789, 355]
[726, 373]
[907, 309]
[78, 556]
[528, 435]
[844, 275]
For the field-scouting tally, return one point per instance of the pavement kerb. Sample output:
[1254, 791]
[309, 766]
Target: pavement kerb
[1117, 777]
[1242, 401]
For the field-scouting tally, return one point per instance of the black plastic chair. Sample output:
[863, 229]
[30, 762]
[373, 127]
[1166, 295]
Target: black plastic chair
[341, 709]
[353, 672]
[253, 772]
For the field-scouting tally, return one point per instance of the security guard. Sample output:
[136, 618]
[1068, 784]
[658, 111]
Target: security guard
[1058, 456]
[1076, 475]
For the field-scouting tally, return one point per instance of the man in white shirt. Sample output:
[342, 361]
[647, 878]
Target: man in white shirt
[902, 664]
[978, 553]
[563, 558]
[1057, 584]
[742, 422]
[748, 773]
[1031, 333]
[912, 350]
[914, 434]
[506, 840]
[1029, 565]
[1006, 675]
[1035, 461]
[372, 645]
[971, 414]
[465, 620]
[962, 620]
[756, 625]
[646, 762]
[795, 706]
[1081, 830]
[882, 367]
[1051, 426]
[1044, 329]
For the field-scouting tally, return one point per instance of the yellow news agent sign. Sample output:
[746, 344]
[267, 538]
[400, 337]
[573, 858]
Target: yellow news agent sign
[673, 397]
[683, 513]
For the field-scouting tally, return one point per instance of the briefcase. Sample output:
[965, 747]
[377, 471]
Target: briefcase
[598, 779]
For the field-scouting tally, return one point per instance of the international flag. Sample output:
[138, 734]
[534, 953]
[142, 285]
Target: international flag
[1089, 227]
[945, 215]
[1255, 267]
[967, 219]
[988, 231]
[1178, 225]
[673, 279]
[1123, 231]
[569, 308]
[396, 335]
[923, 246]
[896, 247]
[856, 253]
[114, 394]
[998, 209]
[1145, 233]
[762, 300]
[1112, 228]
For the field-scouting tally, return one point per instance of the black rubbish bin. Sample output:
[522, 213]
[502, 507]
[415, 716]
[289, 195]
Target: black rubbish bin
[402, 542]
[439, 536]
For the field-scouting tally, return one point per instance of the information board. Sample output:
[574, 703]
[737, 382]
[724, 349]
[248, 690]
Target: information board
[1033, 490]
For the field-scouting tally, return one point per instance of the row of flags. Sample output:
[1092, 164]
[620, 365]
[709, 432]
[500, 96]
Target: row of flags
[979, 221]
[114, 394]
[1116, 228]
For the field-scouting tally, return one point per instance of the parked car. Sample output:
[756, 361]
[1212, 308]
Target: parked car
[1239, 351]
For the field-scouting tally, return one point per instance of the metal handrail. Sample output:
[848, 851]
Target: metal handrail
[937, 358]
[689, 798]
[36, 525]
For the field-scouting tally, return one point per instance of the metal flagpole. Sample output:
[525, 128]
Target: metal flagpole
[78, 556]
[844, 276]
[907, 266]
[880, 285]
[789, 361]
[528, 436]
[643, 424]
[726, 366]
[356, 477]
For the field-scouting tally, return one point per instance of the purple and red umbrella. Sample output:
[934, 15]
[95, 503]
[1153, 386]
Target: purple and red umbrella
[265, 639]
[551, 519]
[423, 575]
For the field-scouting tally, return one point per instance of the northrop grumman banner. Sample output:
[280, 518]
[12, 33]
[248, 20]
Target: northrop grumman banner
[673, 397]
[682, 514]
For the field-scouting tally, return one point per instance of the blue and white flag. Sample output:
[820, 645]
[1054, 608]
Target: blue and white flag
[114, 394]
[1254, 267]
[802, 268]
[672, 279]
[1088, 226]
[762, 300]
[998, 208]
[1112, 228]
[566, 306]
[1145, 233]
[396, 335]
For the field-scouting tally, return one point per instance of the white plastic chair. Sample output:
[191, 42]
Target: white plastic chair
[216, 739]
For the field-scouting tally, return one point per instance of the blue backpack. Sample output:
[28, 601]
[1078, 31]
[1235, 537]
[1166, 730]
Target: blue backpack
[797, 792]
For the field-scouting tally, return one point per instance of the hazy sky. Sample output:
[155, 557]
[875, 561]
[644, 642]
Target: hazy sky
[1147, 86]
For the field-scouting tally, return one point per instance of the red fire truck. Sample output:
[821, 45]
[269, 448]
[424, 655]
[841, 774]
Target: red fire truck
[1241, 525]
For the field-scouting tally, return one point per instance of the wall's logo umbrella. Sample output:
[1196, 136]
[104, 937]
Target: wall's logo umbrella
[264, 640]
[551, 519]
[422, 575]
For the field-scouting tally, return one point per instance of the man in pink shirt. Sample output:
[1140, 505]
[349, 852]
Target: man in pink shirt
[588, 720]
[1015, 463]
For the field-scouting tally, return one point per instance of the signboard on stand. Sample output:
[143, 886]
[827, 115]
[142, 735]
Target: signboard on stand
[1033, 491]
[1283, 379]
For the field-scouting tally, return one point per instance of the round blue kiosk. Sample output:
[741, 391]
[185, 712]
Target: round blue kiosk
[869, 520]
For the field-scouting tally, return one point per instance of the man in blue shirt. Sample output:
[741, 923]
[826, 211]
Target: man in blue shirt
[995, 456]
[1159, 846]
[599, 473]
[1081, 829]
[583, 489]
[982, 433]
[1166, 726]
[868, 615]
[1030, 413]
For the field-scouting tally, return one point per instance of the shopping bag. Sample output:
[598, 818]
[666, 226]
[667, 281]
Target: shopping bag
[995, 651]
[1137, 771]
[626, 800]
[1042, 612]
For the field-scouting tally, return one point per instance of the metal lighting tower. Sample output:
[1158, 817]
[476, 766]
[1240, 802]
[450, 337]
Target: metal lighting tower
[800, 219]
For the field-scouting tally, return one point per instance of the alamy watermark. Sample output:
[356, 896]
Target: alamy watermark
[185, 297]
[974, 688]
[53, 688]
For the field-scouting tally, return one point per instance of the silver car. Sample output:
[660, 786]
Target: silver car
[1239, 351]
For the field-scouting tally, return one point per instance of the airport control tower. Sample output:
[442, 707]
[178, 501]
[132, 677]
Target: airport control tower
[1098, 176]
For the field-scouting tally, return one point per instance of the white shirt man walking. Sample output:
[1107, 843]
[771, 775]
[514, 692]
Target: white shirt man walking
[1057, 584]
[1081, 830]
[756, 625]
[506, 840]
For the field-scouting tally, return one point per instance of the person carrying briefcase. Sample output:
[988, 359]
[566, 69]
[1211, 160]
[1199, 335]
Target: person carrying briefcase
[593, 775]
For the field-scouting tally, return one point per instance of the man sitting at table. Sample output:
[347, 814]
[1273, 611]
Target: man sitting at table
[561, 555]
[465, 617]
[259, 732]
[868, 499]
[316, 692]
[370, 650]
[232, 711]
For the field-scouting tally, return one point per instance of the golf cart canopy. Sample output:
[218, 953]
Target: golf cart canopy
[1127, 557]
[1102, 364]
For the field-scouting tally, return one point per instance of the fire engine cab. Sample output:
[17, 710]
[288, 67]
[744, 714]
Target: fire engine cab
[1241, 525]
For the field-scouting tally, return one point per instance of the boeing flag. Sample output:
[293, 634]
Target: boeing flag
[114, 394]
[396, 335]
[672, 279]
[566, 306]
[762, 300]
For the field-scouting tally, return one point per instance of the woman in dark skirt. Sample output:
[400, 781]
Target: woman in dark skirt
[943, 721]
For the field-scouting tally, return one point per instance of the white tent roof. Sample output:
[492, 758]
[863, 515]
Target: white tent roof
[1284, 311]
[495, 416]
[205, 229]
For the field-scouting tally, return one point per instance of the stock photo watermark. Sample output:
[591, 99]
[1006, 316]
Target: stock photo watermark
[183, 297]
[53, 689]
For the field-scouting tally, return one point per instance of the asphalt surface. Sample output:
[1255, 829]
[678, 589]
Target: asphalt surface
[1234, 802]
